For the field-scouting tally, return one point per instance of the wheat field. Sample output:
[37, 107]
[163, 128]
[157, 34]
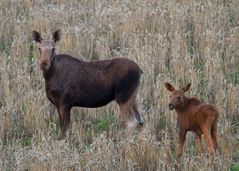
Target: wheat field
[177, 41]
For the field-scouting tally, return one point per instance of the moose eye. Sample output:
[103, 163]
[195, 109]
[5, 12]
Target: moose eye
[179, 98]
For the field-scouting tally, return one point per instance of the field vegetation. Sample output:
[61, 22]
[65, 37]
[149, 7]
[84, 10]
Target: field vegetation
[177, 41]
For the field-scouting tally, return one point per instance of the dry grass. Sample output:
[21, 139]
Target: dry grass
[177, 41]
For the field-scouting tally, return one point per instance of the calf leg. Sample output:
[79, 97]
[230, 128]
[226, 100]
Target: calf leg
[182, 137]
[207, 136]
[199, 143]
[214, 136]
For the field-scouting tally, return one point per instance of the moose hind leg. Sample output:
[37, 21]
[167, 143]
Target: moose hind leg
[208, 139]
[125, 94]
[214, 136]
[139, 118]
[129, 117]
[130, 111]
[199, 143]
[137, 115]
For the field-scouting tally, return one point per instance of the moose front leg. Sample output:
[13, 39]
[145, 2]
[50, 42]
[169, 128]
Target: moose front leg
[182, 137]
[64, 116]
[60, 117]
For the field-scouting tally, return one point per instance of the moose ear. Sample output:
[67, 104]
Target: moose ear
[186, 88]
[36, 36]
[169, 86]
[56, 35]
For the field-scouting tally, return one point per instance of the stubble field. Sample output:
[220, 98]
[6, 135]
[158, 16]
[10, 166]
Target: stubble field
[174, 41]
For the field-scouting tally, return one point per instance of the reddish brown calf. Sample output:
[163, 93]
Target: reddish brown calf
[196, 116]
[70, 82]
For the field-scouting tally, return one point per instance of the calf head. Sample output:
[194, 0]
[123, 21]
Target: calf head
[177, 97]
[46, 48]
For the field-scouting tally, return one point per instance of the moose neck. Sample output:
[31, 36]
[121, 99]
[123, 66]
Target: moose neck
[47, 73]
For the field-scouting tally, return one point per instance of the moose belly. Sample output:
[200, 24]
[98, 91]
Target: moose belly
[189, 125]
[83, 94]
[93, 99]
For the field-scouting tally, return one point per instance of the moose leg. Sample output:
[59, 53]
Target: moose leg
[130, 120]
[135, 108]
[135, 112]
[182, 137]
[214, 136]
[64, 113]
[199, 143]
[126, 100]
[208, 139]
[60, 115]
[138, 117]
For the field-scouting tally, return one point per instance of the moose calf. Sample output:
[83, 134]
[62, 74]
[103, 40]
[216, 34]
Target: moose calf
[70, 82]
[196, 116]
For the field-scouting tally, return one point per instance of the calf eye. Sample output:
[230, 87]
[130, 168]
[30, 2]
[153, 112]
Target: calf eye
[179, 97]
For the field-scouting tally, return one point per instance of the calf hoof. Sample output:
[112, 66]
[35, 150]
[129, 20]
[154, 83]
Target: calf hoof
[179, 156]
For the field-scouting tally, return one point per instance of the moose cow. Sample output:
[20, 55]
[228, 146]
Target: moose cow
[196, 116]
[70, 82]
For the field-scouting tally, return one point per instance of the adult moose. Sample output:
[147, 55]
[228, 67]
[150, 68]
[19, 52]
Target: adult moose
[70, 82]
[194, 115]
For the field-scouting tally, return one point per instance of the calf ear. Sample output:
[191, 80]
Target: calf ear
[56, 36]
[36, 36]
[186, 88]
[169, 86]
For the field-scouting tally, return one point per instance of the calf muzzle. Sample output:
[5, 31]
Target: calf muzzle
[171, 106]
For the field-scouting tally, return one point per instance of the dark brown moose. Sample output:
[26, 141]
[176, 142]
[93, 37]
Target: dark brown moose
[70, 82]
[196, 116]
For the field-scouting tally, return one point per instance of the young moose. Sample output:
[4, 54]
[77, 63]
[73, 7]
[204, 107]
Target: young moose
[70, 82]
[196, 116]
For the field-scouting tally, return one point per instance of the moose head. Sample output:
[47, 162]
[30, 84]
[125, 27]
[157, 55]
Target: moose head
[46, 48]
